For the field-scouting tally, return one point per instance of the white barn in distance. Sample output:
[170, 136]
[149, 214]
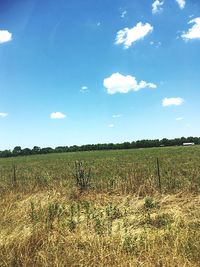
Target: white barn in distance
[188, 144]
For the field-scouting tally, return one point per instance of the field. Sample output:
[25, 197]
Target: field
[106, 208]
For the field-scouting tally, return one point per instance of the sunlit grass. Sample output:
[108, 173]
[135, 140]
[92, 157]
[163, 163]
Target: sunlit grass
[120, 219]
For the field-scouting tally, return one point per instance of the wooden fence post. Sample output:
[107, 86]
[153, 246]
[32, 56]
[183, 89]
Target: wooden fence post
[14, 176]
[158, 172]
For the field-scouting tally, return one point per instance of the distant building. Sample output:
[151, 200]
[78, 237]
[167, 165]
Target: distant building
[188, 144]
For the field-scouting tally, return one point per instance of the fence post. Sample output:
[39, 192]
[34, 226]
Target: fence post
[158, 172]
[14, 176]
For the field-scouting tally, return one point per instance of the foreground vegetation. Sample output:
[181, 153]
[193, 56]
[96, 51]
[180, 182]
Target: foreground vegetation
[114, 208]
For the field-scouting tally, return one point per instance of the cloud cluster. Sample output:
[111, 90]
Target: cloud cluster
[157, 6]
[5, 36]
[118, 83]
[57, 115]
[127, 36]
[194, 31]
[173, 101]
[181, 3]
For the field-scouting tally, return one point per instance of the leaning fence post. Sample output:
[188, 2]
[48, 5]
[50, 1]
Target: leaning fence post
[158, 172]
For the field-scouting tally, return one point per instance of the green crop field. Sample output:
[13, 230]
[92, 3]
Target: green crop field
[136, 207]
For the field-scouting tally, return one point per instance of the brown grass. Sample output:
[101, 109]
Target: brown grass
[116, 231]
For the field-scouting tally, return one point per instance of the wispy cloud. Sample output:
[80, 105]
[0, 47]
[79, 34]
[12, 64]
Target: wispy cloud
[194, 31]
[155, 44]
[3, 114]
[181, 3]
[5, 36]
[118, 83]
[127, 36]
[172, 101]
[111, 125]
[157, 6]
[117, 115]
[57, 115]
[123, 14]
[179, 118]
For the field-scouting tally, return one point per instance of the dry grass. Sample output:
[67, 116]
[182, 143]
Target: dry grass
[121, 220]
[99, 230]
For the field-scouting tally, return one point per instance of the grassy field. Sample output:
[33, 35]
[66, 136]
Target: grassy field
[127, 213]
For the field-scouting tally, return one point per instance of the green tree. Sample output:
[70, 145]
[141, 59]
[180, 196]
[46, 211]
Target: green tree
[17, 151]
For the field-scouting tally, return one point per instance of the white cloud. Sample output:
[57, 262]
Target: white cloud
[179, 119]
[157, 6]
[128, 36]
[57, 115]
[3, 115]
[173, 101]
[194, 31]
[111, 125]
[123, 14]
[118, 83]
[181, 3]
[117, 115]
[5, 36]
[98, 24]
[84, 89]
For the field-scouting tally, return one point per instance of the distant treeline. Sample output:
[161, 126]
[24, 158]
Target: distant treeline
[18, 151]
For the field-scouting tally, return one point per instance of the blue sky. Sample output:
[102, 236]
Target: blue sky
[78, 72]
